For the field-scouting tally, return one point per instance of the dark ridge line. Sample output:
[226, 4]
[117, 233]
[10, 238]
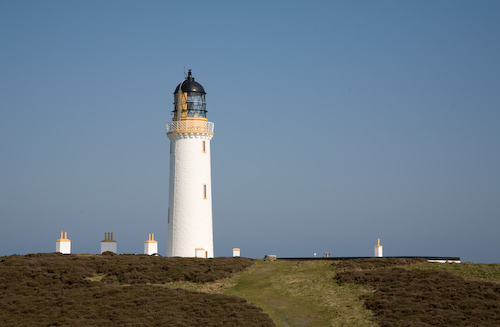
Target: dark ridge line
[349, 258]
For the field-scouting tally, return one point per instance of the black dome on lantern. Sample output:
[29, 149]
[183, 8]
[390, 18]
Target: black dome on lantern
[189, 85]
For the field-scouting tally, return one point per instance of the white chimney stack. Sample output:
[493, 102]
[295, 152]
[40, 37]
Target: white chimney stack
[151, 246]
[63, 244]
[378, 249]
[108, 244]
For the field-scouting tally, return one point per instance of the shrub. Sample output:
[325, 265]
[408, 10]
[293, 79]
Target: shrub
[56, 290]
[419, 297]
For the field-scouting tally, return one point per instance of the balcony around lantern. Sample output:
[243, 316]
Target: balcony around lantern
[190, 126]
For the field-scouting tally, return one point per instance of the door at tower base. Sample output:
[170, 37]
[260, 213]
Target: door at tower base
[200, 253]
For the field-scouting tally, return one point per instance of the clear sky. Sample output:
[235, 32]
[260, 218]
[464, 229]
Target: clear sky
[336, 123]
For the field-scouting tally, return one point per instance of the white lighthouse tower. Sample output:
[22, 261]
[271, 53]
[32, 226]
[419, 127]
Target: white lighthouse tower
[190, 228]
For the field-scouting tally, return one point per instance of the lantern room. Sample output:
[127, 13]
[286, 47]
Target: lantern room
[189, 97]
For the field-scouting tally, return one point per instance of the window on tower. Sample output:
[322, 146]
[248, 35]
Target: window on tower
[203, 147]
[204, 191]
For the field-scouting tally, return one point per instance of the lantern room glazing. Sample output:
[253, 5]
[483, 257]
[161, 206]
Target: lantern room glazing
[189, 100]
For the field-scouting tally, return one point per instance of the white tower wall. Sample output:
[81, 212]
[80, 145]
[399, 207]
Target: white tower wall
[190, 195]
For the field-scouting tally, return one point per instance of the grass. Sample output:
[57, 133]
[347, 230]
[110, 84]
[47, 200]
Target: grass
[138, 290]
[301, 293]
[294, 293]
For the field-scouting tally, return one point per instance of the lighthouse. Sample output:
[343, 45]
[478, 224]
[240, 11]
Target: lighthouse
[190, 227]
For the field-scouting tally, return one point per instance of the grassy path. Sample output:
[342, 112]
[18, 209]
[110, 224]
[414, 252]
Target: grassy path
[305, 293]
[301, 294]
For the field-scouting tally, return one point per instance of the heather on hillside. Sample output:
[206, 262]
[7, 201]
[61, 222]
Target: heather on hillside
[124, 269]
[419, 297]
[117, 290]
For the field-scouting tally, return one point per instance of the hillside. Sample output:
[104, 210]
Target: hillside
[138, 290]
[416, 293]
[119, 290]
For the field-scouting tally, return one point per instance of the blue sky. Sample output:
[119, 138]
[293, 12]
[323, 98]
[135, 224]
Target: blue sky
[336, 123]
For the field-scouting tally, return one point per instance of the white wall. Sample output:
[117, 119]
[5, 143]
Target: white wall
[150, 248]
[63, 246]
[190, 215]
[108, 246]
